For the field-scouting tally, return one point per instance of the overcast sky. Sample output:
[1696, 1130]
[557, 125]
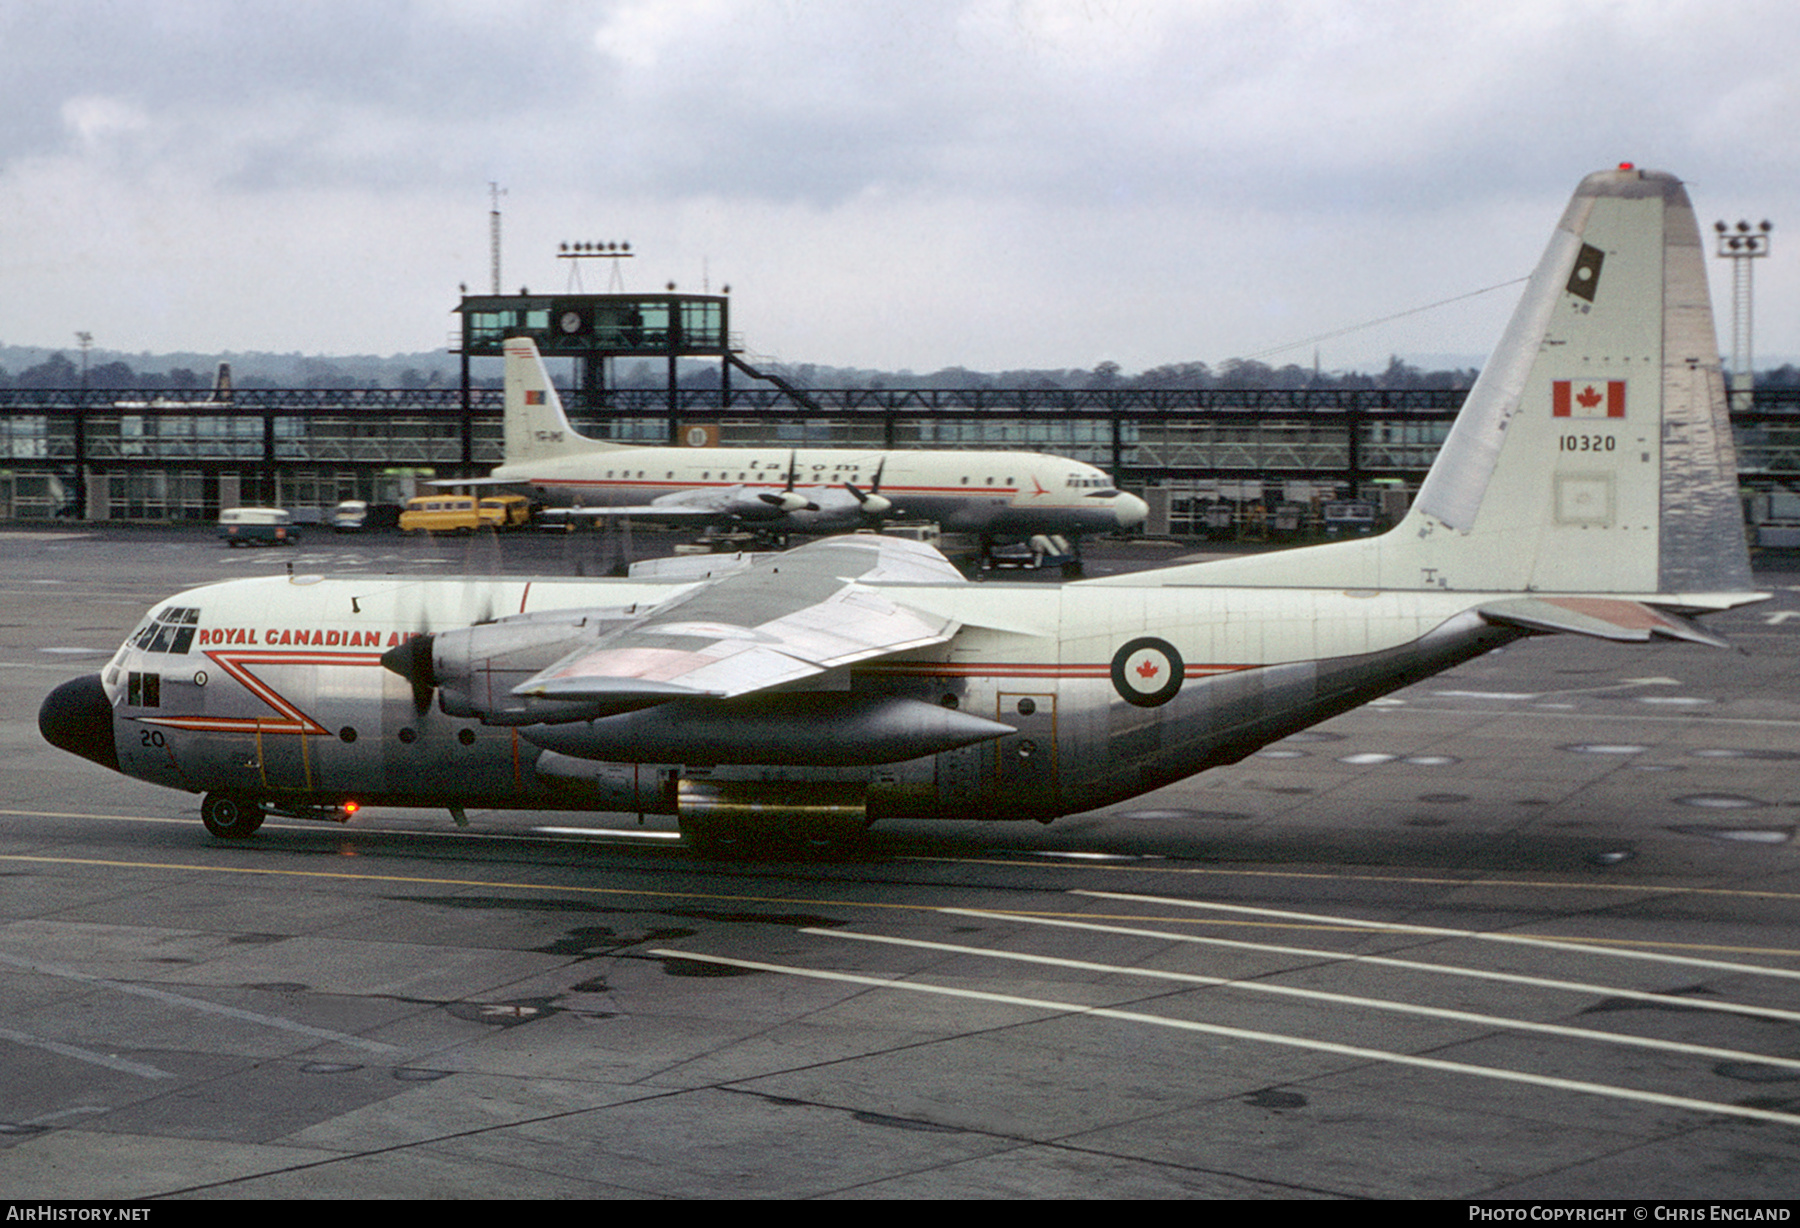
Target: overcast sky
[919, 184]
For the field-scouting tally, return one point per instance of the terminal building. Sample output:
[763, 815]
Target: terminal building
[1203, 459]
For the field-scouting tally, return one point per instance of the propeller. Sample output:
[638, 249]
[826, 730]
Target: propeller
[411, 659]
[874, 504]
[789, 500]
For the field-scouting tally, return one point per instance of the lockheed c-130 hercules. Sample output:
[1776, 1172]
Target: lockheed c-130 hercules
[1587, 487]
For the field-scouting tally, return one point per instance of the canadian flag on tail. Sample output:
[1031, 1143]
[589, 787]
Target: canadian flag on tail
[1596, 399]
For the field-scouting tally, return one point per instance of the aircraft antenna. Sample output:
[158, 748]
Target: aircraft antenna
[495, 192]
[1398, 315]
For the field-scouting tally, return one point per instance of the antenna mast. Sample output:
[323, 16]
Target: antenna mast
[495, 192]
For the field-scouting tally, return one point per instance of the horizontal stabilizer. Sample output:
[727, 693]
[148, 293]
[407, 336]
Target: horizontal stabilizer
[1605, 618]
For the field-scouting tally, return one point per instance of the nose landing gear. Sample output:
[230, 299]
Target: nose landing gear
[230, 816]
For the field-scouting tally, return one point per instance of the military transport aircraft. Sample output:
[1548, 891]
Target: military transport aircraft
[1588, 487]
[993, 495]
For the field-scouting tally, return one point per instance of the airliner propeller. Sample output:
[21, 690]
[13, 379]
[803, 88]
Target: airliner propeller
[789, 500]
[874, 505]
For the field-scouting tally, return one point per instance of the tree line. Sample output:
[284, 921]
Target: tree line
[434, 370]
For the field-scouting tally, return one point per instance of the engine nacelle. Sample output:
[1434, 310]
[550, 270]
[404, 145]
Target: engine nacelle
[813, 729]
[473, 670]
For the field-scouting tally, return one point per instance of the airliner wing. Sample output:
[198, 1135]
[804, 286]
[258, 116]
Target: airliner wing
[792, 616]
[731, 502]
[516, 485]
[647, 511]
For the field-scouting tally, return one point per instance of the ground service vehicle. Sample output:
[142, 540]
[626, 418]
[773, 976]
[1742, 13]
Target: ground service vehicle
[449, 513]
[257, 526]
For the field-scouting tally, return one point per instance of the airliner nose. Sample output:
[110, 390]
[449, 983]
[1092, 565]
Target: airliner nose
[1130, 511]
[78, 718]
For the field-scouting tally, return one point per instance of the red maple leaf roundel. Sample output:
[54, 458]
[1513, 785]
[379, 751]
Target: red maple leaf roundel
[1147, 671]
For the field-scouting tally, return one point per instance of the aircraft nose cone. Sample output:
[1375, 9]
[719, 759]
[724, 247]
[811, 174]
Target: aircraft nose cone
[1130, 511]
[77, 717]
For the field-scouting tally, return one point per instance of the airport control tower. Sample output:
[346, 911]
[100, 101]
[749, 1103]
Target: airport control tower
[593, 328]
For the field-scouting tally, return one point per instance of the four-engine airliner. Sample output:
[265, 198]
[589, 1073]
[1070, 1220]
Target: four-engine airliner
[992, 495]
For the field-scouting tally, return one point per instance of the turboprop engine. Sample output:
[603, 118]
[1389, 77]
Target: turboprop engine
[479, 672]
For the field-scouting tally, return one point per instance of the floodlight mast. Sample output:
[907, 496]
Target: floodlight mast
[575, 253]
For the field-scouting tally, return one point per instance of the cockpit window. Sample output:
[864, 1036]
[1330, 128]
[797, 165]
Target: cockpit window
[171, 630]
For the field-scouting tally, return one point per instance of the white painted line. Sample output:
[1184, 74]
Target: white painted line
[629, 833]
[1319, 995]
[1394, 927]
[1492, 694]
[85, 1055]
[1389, 961]
[1692, 720]
[1269, 1038]
[200, 1004]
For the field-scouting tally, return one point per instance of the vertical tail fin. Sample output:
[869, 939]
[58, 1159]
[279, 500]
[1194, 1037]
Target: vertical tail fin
[536, 427]
[1594, 454]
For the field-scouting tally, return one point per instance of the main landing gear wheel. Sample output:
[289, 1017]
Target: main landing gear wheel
[230, 816]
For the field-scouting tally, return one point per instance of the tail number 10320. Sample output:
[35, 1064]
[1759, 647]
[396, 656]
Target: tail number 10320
[1589, 443]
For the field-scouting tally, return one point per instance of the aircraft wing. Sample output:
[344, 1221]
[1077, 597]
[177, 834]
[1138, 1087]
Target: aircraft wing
[516, 485]
[646, 511]
[732, 502]
[788, 617]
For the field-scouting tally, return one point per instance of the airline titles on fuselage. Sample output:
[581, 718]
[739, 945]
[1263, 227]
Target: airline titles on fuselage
[301, 637]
